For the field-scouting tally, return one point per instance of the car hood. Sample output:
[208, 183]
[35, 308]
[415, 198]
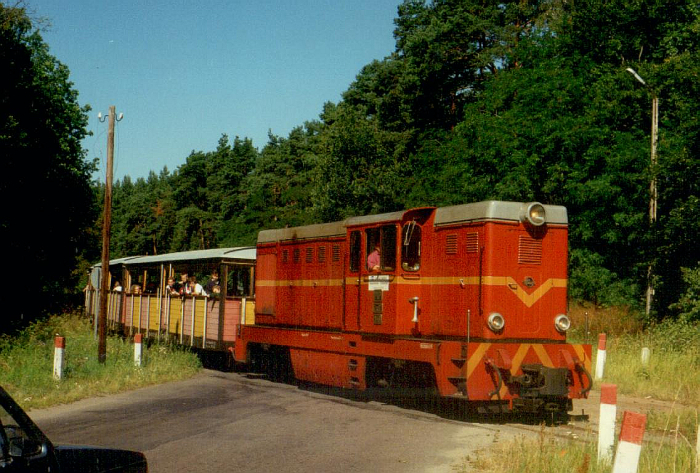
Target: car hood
[98, 459]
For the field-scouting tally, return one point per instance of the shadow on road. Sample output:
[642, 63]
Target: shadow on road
[457, 409]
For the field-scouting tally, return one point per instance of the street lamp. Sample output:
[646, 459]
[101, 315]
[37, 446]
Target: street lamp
[653, 195]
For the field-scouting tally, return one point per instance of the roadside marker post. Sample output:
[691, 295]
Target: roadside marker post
[646, 355]
[630, 445]
[58, 356]
[138, 349]
[606, 424]
[600, 357]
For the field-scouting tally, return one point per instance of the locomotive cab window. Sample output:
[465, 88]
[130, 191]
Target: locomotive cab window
[382, 239]
[410, 247]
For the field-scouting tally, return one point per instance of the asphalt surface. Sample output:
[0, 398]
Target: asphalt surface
[230, 422]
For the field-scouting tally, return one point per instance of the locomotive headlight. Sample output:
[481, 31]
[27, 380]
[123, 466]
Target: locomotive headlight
[496, 322]
[534, 214]
[562, 323]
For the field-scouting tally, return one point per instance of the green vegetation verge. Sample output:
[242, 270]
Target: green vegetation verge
[673, 371]
[548, 454]
[26, 363]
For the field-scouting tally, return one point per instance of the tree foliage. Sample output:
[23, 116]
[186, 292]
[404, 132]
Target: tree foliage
[46, 179]
[481, 99]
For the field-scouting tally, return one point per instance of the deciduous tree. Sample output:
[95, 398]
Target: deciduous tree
[45, 181]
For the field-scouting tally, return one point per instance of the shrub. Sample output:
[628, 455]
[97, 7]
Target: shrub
[688, 306]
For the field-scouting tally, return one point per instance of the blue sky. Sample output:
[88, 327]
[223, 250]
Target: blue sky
[185, 72]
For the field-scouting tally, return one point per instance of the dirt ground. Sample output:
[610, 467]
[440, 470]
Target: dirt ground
[586, 414]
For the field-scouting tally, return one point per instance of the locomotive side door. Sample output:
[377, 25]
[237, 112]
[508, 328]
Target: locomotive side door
[377, 298]
[370, 292]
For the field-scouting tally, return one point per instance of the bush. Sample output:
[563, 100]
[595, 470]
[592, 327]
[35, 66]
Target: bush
[688, 306]
[591, 281]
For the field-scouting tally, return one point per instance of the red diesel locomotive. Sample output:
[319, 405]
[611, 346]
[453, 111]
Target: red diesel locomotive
[468, 301]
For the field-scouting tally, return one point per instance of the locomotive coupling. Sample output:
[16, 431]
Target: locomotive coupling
[538, 380]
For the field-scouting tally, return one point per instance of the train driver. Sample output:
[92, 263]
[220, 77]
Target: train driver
[374, 258]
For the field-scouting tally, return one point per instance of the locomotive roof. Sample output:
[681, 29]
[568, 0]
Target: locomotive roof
[325, 230]
[495, 210]
[246, 253]
[302, 233]
[487, 210]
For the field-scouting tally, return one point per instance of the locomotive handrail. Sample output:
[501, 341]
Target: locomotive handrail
[495, 368]
[581, 367]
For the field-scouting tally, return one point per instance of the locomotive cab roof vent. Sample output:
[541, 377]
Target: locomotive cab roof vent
[534, 214]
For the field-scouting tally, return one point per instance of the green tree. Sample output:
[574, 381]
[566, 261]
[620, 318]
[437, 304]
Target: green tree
[279, 190]
[143, 216]
[361, 168]
[569, 126]
[227, 169]
[450, 47]
[688, 305]
[45, 179]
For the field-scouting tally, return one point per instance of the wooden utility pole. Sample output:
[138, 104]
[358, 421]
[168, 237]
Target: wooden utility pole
[653, 190]
[106, 231]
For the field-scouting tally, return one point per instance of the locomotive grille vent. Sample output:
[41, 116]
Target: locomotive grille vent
[529, 250]
[285, 256]
[472, 242]
[451, 244]
[309, 255]
[336, 253]
[321, 254]
[297, 255]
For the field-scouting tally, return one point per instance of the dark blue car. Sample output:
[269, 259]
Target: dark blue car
[25, 448]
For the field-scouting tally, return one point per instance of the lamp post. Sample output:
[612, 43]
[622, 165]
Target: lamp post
[653, 193]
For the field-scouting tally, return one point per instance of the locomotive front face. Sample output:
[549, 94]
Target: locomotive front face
[525, 277]
[500, 280]
[503, 265]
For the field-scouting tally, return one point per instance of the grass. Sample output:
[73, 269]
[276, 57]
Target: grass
[26, 364]
[548, 454]
[673, 371]
[672, 374]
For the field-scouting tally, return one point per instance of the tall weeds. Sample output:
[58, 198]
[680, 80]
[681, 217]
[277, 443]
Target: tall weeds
[26, 364]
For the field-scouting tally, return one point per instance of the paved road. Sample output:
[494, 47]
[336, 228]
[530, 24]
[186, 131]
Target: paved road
[228, 422]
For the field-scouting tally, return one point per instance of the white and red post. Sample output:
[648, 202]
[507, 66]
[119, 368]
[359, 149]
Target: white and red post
[58, 356]
[606, 425]
[630, 445]
[138, 349]
[600, 357]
